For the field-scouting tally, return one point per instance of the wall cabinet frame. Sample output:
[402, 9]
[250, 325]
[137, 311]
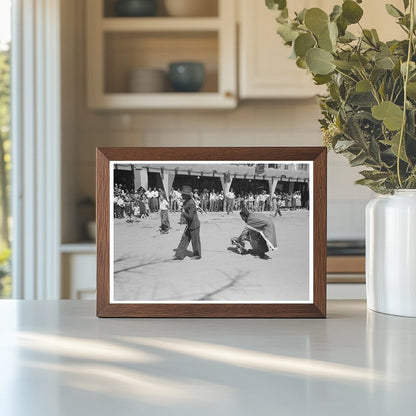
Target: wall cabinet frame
[108, 36]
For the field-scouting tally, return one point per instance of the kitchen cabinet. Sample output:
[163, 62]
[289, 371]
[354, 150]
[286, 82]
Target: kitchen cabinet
[118, 45]
[265, 70]
[346, 277]
[78, 262]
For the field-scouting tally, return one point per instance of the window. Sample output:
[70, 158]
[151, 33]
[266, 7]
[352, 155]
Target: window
[5, 145]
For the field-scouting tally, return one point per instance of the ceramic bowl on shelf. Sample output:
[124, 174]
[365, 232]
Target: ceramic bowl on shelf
[135, 8]
[186, 76]
[147, 81]
[191, 8]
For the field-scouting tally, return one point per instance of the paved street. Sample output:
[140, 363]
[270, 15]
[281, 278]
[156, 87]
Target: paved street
[143, 269]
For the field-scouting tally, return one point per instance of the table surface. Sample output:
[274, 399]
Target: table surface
[57, 358]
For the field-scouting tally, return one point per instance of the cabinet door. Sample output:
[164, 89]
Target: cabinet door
[78, 276]
[265, 68]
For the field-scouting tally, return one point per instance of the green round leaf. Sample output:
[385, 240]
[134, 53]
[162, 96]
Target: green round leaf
[351, 11]
[287, 33]
[316, 20]
[375, 35]
[342, 25]
[282, 4]
[363, 86]
[368, 37]
[344, 65]
[276, 4]
[301, 15]
[391, 114]
[394, 143]
[322, 79]
[319, 61]
[411, 90]
[325, 42]
[301, 63]
[403, 68]
[303, 43]
[336, 12]
[358, 61]
[393, 11]
[384, 62]
[327, 39]
[333, 32]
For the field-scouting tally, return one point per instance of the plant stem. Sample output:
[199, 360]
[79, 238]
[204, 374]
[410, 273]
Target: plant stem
[392, 91]
[346, 75]
[397, 95]
[406, 80]
[373, 88]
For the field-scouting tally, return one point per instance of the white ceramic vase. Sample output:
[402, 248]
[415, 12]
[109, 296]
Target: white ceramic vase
[391, 253]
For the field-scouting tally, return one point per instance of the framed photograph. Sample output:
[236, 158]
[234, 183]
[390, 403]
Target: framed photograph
[211, 232]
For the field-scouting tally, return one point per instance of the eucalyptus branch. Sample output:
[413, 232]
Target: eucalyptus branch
[404, 28]
[358, 45]
[342, 49]
[373, 88]
[392, 91]
[364, 61]
[369, 40]
[346, 75]
[409, 134]
[406, 79]
[398, 95]
[363, 75]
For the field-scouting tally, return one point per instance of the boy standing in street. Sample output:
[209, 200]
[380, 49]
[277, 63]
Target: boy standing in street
[164, 214]
[191, 233]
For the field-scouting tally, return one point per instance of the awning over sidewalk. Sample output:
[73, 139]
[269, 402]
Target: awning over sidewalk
[166, 172]
[284, 171]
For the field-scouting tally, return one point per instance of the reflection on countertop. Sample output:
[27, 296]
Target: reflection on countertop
[355, 362]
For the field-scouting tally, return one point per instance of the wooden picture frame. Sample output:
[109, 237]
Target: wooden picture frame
[312, 159]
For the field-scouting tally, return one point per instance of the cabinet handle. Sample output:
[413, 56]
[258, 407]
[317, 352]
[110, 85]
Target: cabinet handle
[229, 94]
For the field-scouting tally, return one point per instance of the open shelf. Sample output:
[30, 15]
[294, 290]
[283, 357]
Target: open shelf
[210, 7]
[127, 51]
[116, 46]
[167, 100]
[80, 247]
[160, 24]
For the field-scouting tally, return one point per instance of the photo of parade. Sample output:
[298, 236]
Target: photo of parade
[211, 232]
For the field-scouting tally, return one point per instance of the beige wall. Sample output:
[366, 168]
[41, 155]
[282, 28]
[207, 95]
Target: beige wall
[253, 123]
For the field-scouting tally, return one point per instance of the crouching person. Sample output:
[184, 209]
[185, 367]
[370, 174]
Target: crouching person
[260, 232]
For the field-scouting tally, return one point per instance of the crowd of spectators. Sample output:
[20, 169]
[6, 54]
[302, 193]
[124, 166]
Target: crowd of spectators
[130, 204]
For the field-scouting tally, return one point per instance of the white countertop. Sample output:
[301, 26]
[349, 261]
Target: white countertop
[57, 358]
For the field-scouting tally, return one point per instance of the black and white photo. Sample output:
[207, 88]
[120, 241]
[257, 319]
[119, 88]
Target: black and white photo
[211, 232]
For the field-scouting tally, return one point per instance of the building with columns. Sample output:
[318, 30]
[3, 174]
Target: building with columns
[242, 178]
